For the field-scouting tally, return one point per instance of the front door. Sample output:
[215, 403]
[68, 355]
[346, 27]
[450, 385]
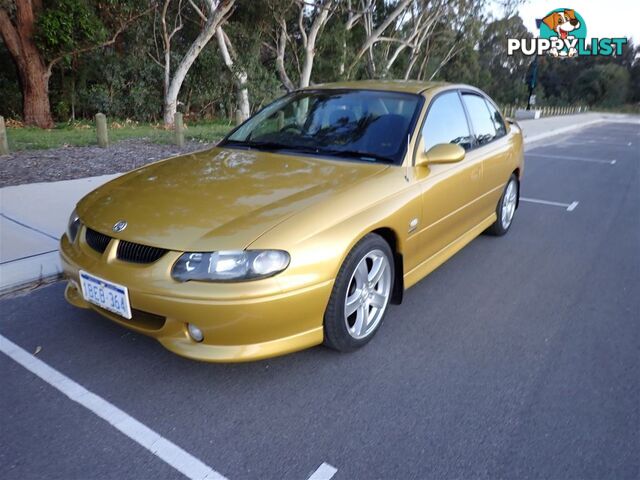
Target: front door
[449, 191]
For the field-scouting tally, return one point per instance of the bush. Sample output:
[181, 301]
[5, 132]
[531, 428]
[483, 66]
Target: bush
[603, 85]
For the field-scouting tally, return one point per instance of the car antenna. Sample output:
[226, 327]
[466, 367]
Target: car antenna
[406, 169]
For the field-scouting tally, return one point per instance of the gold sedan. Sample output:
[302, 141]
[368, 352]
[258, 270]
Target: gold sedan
[302, 225]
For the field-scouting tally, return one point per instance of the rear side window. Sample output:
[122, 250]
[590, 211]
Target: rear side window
[446, 122]
[498, 122]
[481, 118]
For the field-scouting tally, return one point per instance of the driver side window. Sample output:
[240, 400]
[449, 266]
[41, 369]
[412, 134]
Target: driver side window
[446, 122]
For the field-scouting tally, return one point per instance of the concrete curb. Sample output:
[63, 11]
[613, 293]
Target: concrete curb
[32, 219]
[17, 273]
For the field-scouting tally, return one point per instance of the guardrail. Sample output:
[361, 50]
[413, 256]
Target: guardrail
[546, 111]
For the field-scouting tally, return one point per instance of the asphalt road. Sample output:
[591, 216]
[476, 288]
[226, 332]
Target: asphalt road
[519, 358]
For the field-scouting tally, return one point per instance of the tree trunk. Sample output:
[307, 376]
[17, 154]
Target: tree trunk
[171, 102]
[307, 66]
[311, 38]
[243, 103]
[171, 97]
[281, 47]
[35, 94]
[32, 71]
[239, 74]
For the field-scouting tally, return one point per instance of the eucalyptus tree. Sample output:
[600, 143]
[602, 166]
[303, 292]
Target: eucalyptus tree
[171, 14]
[40, 36]
[311, 18]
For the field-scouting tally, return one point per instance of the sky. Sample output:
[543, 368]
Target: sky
[604, 18]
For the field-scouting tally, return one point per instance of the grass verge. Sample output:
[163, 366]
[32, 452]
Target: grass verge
[83, 134]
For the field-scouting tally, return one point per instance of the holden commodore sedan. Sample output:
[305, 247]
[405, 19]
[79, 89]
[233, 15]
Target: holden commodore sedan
[302, 225]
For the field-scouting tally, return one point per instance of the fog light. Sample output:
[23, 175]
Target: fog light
[195, 333]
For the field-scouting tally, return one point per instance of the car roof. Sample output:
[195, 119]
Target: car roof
[406, 86]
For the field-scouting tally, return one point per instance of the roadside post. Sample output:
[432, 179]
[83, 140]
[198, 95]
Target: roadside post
[101, 129]
[4, 144]
[532, 80]
[178, 125]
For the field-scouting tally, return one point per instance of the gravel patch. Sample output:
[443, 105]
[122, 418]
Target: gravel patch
[30, 166]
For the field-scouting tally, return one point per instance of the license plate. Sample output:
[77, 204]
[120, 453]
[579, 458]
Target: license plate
[105, 294]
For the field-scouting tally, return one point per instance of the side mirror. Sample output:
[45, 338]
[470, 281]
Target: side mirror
[440, 153]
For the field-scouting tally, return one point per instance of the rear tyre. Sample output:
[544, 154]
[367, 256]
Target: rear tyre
[360, 295]
[506, 208]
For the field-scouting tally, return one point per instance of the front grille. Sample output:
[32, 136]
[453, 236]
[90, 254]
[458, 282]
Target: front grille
[136, 253]
[127, 251]
[96, 240]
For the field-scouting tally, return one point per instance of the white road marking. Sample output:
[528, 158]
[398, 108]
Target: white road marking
[569, 206]
[566, 157]
[162, 448]
[598, 142]
[324, 472]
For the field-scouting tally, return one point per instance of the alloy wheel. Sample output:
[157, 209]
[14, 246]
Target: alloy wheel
[367, 294]
[509, 204]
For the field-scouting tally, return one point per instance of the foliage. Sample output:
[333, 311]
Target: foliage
[124, 80]
[10, 98]
[605, 85]
[506, 73]
[65, 24]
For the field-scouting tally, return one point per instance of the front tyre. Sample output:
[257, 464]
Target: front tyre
[360, 295]
[506, 208]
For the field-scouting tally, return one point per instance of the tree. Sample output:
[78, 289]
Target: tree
[240, 76]
[506, 72]
[212, 16]
[374, 31]
[410, 38]
[19, 37]
[311, 19]
[606, 85]
[230, 58]
[39, 38]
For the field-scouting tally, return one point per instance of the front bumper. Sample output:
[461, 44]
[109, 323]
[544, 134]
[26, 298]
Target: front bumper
[241, 321]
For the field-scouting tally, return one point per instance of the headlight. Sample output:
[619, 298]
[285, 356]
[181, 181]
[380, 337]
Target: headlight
[229, 265]
[73, 227]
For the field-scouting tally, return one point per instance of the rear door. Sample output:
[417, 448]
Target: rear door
[492, 146]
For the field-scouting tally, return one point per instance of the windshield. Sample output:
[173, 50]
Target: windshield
[357, 124]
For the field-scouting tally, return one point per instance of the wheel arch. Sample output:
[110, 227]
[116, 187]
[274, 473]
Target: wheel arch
[516, 172]
[391, 237]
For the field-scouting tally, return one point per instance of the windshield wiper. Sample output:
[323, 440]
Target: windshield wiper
[273, 146]
[268, 146]
[371, 157]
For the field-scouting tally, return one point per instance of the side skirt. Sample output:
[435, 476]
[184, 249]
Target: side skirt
[430, 264]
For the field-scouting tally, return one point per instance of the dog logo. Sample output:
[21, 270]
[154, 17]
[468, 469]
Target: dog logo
[563, 34]
[566, 25]
[119, 226]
